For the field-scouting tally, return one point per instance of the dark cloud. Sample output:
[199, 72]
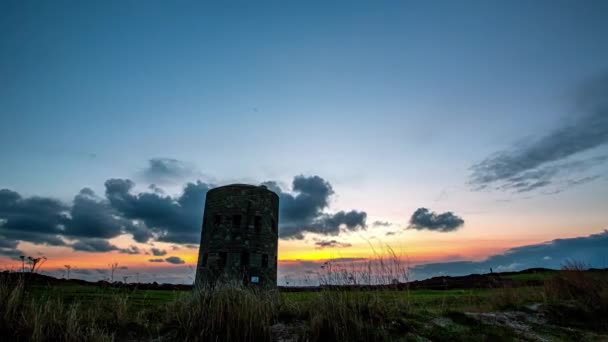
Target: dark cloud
[331, 244]
[156, 260]
[422, 219]
[6, 243]
[168, 171]
[158, 252]
[590, 250]
[93, 245]
[35, 219]
[302, 210]
[172, 219]
[93, 217]
[90, 221]
[175, 260]
[538, 164]
[130, 250]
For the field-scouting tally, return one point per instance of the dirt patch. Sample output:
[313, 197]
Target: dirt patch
[521, 322]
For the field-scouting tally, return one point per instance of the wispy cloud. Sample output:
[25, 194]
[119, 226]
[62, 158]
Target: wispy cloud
[546, 161]
[169, 171]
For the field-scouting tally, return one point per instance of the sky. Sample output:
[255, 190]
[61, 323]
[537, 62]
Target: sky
[461, 135]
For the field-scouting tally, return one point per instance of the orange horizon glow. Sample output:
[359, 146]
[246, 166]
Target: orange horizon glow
[290, 251]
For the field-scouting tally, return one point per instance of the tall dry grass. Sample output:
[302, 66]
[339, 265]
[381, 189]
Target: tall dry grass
[578, 297]
[223, 313]
[45, 319]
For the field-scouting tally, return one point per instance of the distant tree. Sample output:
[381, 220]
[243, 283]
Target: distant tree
[67, 269]
[113, 267]
[36, 263]
[22, 257]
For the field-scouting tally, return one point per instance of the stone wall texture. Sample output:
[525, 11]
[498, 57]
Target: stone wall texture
[239, 238]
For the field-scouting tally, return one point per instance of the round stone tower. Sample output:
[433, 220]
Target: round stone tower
[239, 239]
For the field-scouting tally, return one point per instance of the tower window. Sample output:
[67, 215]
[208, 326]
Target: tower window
[257, 223]
[236, 221]
[222, 261]
[205, 258]
[244, 259]
[217, 219]
[264, 260]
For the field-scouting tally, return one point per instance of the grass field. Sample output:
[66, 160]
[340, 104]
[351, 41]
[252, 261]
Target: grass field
[569, 305]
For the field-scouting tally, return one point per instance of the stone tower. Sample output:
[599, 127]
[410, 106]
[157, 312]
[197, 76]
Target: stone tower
[239, 239]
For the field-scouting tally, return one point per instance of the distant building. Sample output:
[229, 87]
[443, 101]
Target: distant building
[239, 238]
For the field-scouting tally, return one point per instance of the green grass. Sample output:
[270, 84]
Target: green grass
[87, 294]
[524, 277]
[573, 302]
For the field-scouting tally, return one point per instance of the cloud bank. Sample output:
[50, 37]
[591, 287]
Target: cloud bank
[89, 221]
[590, 250]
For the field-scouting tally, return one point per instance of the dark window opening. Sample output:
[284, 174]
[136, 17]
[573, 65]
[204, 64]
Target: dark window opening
[274, 226]
[222, 260]
[236, 221]
[257, 223]
[244, 259]
[264, 260]
[217, 220]
[205, 257]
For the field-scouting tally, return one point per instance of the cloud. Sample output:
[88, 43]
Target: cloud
[93, 217]
[93, 245]
[545, 162]
[175, 260]
[35, 219]
[171, 219]
[590, 250]
[158, 252]
[131, 250]
[156, 260]
[331, 244]
[381, 224]
[302, 210]
[168, 171]
[423, 219]
[90, 221]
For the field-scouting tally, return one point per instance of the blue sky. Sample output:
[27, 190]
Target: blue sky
[393, 102]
